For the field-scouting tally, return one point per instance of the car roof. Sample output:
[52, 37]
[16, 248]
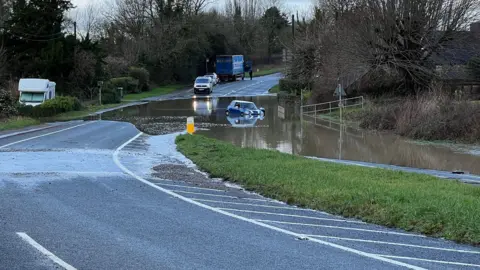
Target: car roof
[240, 101]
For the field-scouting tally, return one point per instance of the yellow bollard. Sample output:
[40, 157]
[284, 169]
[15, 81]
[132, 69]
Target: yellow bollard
[190, 125]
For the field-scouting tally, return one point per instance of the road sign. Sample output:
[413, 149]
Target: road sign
[190, 125]
[339, 91]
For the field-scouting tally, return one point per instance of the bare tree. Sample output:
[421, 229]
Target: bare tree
[88, 20]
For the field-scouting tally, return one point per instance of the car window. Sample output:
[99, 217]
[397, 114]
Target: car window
[249, 106]
[203, 80]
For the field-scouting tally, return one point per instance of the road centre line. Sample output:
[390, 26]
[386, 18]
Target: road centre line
[395, 244]
[264, 225]
[427, 260]
[43, 135]
[256, 205]
[288, 215]
[337, 227]
[45, 251]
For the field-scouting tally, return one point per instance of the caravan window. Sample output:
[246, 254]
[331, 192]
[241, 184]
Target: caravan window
[31, 97]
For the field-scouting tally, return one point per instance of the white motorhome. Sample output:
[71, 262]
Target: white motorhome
[35, 91]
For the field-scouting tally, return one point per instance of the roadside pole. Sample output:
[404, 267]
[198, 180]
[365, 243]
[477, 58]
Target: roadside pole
[100, 84]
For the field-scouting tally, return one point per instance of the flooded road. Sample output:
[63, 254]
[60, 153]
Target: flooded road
[284, 129]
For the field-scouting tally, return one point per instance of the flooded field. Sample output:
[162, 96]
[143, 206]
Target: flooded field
[284, 129]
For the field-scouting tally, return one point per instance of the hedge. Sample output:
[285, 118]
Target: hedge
[51, 107]
[143, 77]
[110, 94]
[293, 86]
[129, 84]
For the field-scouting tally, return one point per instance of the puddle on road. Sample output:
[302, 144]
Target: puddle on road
[285, 130]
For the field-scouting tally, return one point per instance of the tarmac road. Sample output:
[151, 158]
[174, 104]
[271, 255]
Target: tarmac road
[75, 196]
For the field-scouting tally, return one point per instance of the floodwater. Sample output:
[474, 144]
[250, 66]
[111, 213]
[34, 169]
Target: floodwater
[286, 130]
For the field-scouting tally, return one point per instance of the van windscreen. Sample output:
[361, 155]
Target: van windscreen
[31, 97]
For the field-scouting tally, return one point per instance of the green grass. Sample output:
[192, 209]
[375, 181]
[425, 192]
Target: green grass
[266, 71]
[17, 123]
[83, 113]
[413, 202]
[163, 90]
[274, 89]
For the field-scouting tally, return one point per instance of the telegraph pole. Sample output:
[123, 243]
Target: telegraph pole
[74, 43]
[293, 27]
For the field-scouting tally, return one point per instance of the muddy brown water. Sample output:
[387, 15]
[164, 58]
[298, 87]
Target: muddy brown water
[284, 129]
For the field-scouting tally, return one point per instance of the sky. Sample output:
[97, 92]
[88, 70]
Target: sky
[293, 5]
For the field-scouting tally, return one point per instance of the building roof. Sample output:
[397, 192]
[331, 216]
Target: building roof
[459, 50]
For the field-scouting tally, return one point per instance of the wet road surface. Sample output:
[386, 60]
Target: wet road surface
[96, 202]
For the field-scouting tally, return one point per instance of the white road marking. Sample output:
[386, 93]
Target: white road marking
[427, 260]
[256, 205]
[43, 135]
[395, 244]
[205, 194]
[62, 172]
[287, 215]
[264, 225]
[199, 188]
[337, 227]
[216, 195]
[44, 251]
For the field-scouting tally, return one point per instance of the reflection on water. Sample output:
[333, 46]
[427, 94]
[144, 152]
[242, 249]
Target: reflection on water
[283, 128]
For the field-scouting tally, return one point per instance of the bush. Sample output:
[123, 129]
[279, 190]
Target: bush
[427, 117]
[294, 86]
[129, 84]
[51, 107]
[7, 104]
[143, 77]
[110, 94]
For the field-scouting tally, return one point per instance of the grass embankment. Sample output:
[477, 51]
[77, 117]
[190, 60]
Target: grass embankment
[347, 113]
[274, 89]
[409, 201]
[87, 110]
[163, 90]
[17, 123]
[428, 117]
[266, 71]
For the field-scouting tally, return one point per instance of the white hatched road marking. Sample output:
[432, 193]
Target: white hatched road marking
[206, 194]
[256, 205]
[199, 188]
[395, 244]
[427, 260]
[337, 227]
[45, 251]
[288, 215]
[264, 225]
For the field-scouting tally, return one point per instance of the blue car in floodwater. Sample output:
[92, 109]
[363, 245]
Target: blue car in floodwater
[244, 121]
[242, 108]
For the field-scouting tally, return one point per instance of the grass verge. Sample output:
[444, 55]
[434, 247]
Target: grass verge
[72, 115]
[17, 123]
[274, 89]
[267, 71]
[413, 202]
[159, 91]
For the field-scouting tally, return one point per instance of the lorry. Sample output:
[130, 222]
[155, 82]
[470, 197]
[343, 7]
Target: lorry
[34, 91]
[230, 67]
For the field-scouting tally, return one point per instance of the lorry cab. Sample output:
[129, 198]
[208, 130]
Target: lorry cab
[34, 92]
